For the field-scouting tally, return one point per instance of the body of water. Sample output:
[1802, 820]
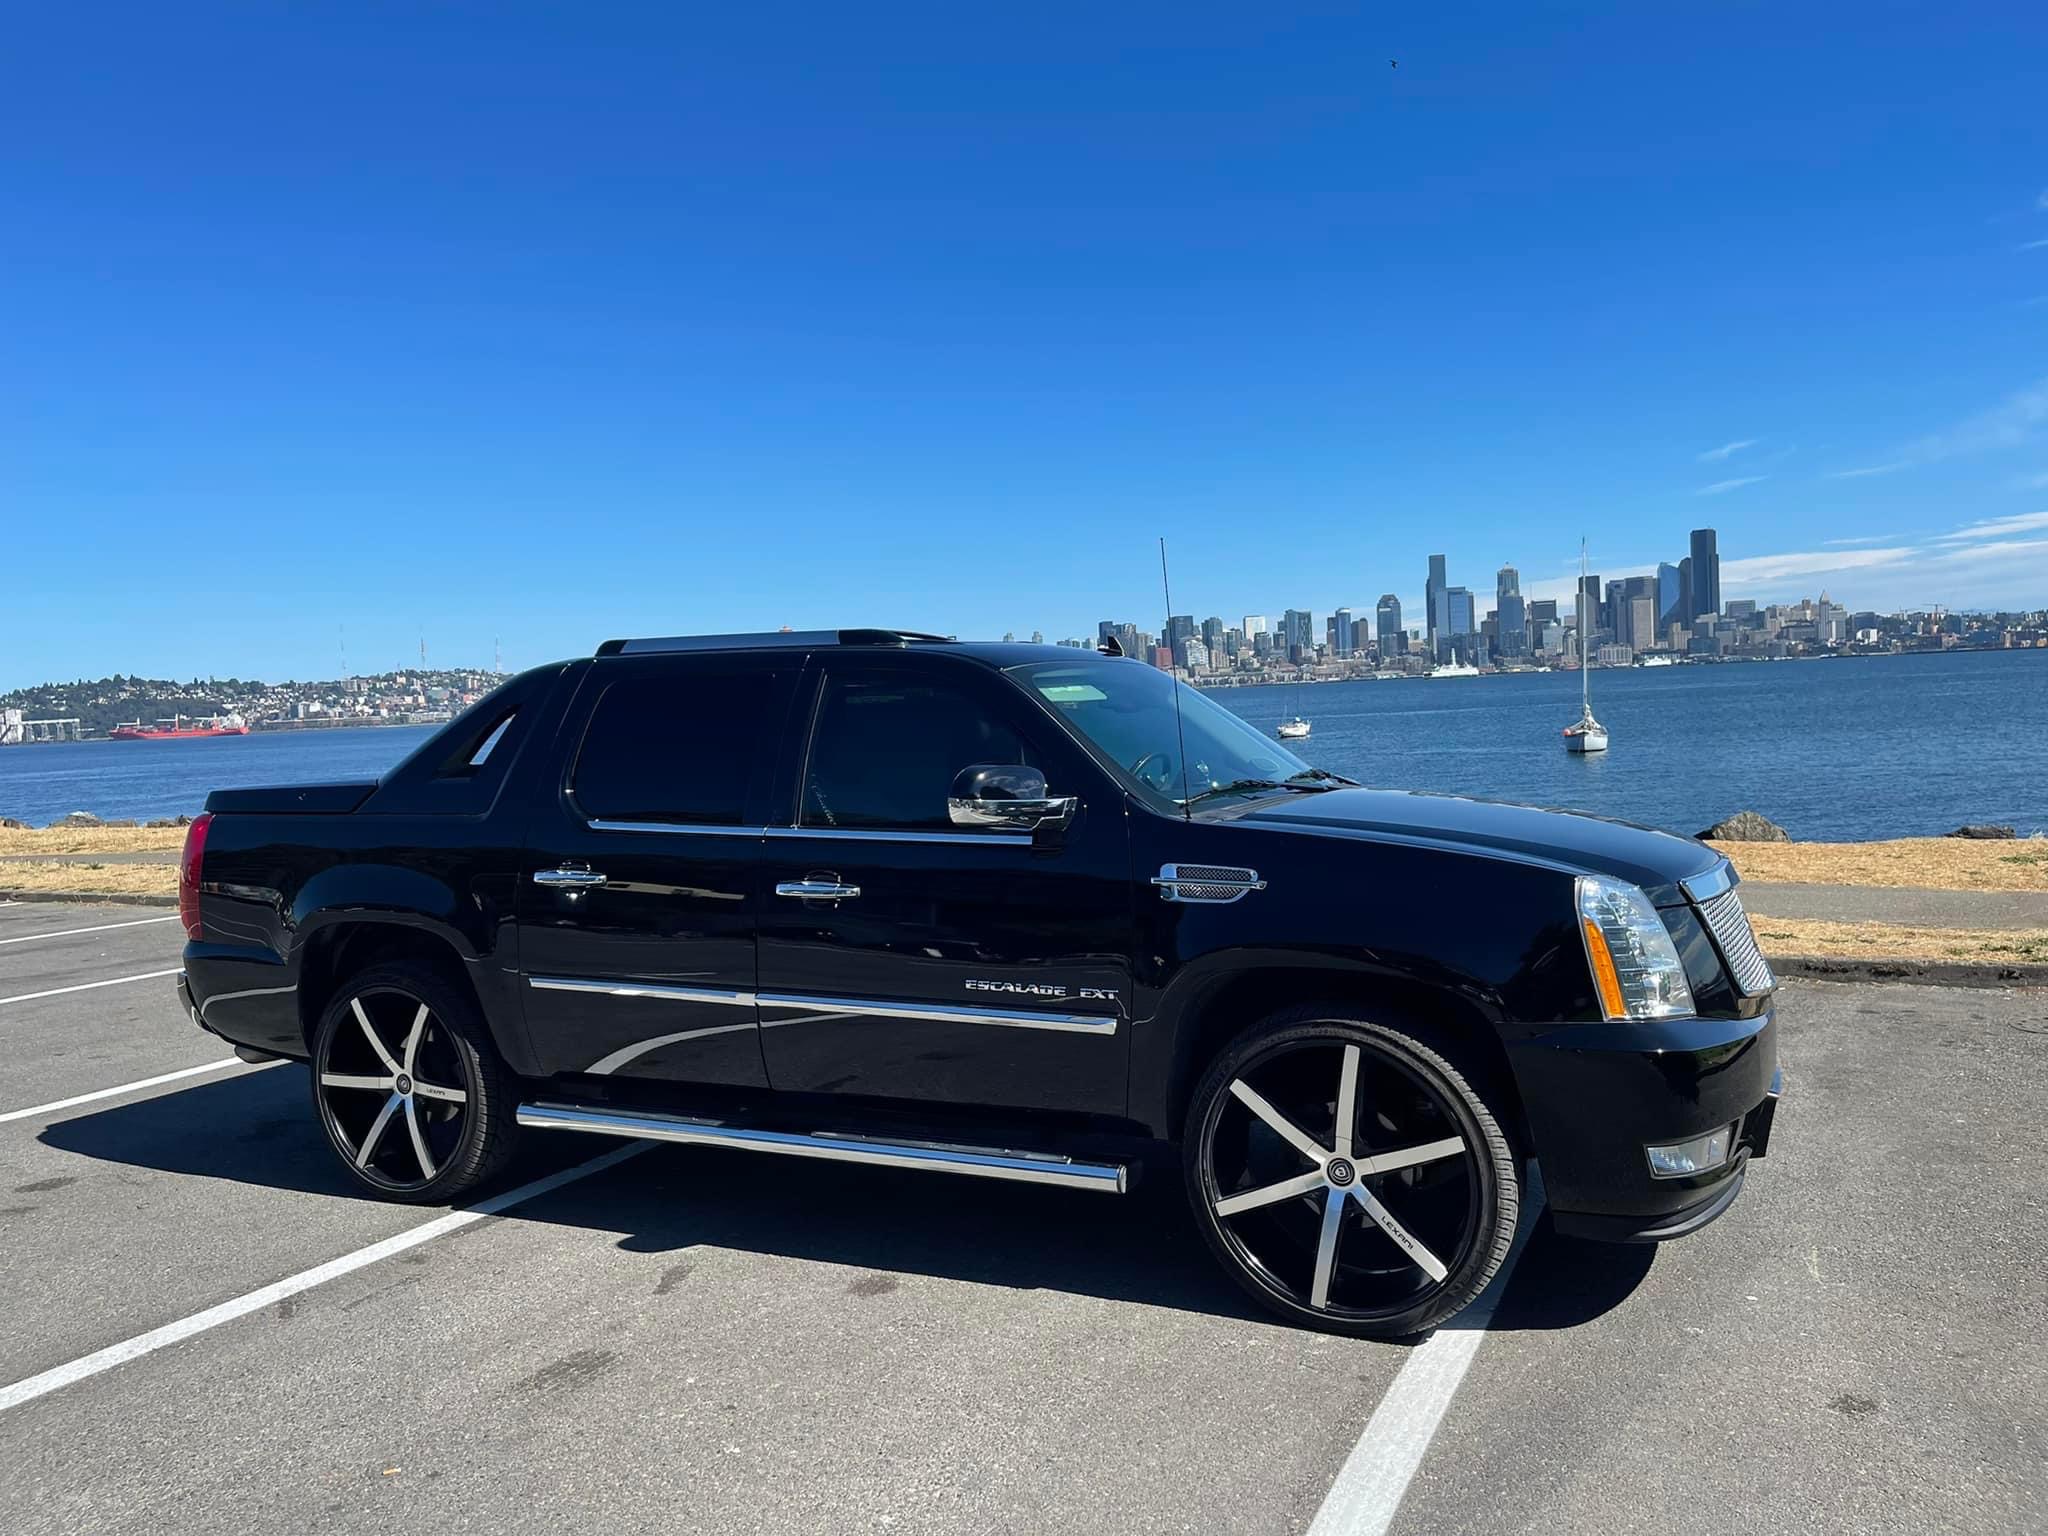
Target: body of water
[138, 780]
[1831, 750]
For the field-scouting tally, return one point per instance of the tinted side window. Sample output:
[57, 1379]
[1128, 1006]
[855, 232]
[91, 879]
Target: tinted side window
[886, 749]
[676, 746]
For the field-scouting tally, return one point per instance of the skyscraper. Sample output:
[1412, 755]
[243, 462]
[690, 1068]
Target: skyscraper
[1340, 632]
[1437, 612]
[1461, 624]
[1212, 637]
[1511, 615]
[1393, 640]
[1669, 591]
[1706, 574]
[1586, 606]
[1298, 634]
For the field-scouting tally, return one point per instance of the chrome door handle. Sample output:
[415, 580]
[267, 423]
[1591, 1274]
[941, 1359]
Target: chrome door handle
[569, 879]
[828, 890]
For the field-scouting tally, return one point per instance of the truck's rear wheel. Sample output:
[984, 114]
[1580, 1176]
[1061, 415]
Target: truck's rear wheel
[409, 1087]
[1349, 1175]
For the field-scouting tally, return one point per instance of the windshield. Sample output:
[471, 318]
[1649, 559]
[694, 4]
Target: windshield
[1126, 710]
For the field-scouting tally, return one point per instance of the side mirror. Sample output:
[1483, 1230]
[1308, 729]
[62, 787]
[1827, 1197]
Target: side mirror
[1006, 797]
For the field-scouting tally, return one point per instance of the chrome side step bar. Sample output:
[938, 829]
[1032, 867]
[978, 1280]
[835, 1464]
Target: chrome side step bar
[845, 1147]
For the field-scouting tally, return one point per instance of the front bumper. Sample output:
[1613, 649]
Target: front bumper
[1595, 1095]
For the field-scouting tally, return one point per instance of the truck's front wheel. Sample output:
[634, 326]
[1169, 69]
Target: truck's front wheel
[1349, 1175]
[409, 1087]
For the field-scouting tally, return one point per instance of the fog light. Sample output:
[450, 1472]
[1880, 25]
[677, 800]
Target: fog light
[1702, 1154]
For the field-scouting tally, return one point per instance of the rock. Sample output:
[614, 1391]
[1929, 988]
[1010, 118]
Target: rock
[9, 824]
[1981, 831]
[78, 819]
[170, 821]
[1747, 827]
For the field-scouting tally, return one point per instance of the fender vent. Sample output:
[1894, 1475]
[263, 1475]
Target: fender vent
[1206, 882]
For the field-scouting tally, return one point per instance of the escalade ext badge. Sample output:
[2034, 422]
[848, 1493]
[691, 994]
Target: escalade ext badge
[1221, 883]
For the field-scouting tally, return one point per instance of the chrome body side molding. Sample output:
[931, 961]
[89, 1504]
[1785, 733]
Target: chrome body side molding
[842, 834]
[960, 1013]
[938, 1157]
[1074, 1023]
[641, 989]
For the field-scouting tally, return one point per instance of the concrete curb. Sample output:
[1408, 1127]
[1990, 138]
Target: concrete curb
[92, 898]
[1927, 973]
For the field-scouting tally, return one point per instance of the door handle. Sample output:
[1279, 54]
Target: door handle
[813, 890]
[569, 879]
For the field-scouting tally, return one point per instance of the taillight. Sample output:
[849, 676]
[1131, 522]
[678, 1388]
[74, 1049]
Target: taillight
[188, 872]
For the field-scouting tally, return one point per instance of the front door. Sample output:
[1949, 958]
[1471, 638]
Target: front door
[904, 957]
[637, 936]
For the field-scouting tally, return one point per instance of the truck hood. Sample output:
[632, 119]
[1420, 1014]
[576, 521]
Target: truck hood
[1656, 861]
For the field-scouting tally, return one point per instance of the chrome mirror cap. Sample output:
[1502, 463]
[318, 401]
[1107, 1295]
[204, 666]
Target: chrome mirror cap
[1006, 797]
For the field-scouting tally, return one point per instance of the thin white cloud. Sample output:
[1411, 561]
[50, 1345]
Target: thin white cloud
[1722, 487]
[1995, 528]
[1765, 569]
[1870, 538]
[1726, 450]
[2017, 419]
[2033, 245]
[2003, 549]
[2011, 422]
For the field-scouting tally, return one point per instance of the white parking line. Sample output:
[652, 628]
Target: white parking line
[1375, 1476]
[135, 1087]
[65, 933]
[87, 986]
[59, 1377]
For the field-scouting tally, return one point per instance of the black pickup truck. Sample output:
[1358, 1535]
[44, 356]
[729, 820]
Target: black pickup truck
[1009, 911]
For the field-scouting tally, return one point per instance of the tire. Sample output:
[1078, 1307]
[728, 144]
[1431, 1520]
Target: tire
[1413, 1240]
[409, 1087]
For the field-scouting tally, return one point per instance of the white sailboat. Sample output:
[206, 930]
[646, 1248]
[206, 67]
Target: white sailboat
[1296, 728]
[1588, 735]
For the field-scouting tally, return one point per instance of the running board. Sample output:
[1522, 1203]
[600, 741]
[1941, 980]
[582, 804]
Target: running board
[844, 1146]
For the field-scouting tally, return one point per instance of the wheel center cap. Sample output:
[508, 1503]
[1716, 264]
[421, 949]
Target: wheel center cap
[405, 1085]
[1340, 1172]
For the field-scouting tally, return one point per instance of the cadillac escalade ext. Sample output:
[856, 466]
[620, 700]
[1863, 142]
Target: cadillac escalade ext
[1006, 911]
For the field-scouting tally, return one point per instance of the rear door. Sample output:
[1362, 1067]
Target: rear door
[637, 937]
[965, 966]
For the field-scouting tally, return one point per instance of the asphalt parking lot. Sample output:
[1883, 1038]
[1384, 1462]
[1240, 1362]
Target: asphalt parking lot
[199, 1331]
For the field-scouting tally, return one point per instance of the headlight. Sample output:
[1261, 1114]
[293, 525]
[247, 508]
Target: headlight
[1636, 969]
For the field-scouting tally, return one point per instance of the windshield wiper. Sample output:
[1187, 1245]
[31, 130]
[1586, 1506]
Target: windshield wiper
[1242, 786]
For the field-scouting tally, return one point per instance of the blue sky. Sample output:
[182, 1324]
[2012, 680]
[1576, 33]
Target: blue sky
[548, 323]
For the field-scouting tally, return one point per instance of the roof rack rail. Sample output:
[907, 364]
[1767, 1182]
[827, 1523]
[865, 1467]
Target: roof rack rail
[782, 639]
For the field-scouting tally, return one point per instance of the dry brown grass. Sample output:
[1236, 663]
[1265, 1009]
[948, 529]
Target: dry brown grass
[16, 843]
[90, 879]
[1928, 863]
[1892, 941]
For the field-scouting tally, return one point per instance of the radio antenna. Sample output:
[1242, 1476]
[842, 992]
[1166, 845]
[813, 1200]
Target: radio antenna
[1173, 673]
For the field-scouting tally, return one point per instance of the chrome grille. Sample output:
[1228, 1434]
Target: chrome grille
[1729, 925]
[1206, 882]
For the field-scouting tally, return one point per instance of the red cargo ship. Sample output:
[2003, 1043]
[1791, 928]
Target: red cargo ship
[175, 729]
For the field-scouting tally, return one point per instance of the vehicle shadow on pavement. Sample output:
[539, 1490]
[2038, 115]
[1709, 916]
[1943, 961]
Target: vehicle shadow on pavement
[259, 1129]
[1561, 1282]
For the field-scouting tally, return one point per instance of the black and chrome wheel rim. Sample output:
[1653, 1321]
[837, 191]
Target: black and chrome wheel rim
[394, 1090]
[1344, 1181]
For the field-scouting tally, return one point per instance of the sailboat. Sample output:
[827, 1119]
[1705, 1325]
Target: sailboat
[1296, 728]
[1588, 735]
